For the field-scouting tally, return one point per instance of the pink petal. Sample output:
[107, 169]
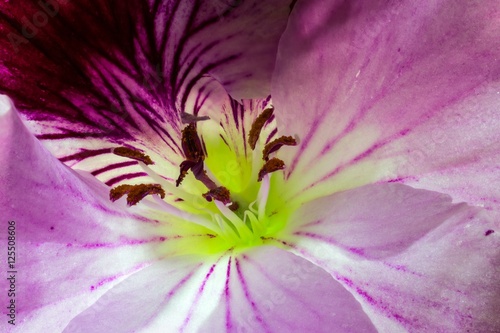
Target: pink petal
[263, 290]
[399, 91]
[414, 260]
[374, 221]
[174, 295]
[271, 290]
[72, 244]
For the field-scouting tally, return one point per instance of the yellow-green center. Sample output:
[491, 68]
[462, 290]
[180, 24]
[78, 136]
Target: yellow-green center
[229, 190]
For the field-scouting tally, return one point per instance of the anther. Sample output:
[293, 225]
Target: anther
[220, 193]
[234, 206]
[187, 118]
[135, 193]
[193, 150]
[184, 168]
[191, 144]
[254, 134]
[133, 154]
[276, 144]
[274, 164]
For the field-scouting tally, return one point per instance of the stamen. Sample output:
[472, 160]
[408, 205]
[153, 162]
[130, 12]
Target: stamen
[254, 134]
[263, 195]
[201, 175]
[228, 229]
[191, 144]
[187, 118]
[135, 193]
[220, 193]
[274, 164]
[276, 144]
[256, 160]
[133, 154]
[170, 188]
[234, 206]
[253, 222]
[194, 151]
[184, 168]
[240, 226]
[195, 218]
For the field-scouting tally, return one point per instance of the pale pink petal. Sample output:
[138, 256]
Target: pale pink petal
[403, 91]
[72, 243]
[174, 295]
[415, 261]
[374, 221]
[271, 290]
[263, 290]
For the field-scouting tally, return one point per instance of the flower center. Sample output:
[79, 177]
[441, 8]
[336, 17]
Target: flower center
[219, 188]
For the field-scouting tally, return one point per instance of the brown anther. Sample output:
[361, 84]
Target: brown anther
[276, 144]
[184, 168]
[118, 192]
[194, 150]
[254, 134]
[220, 193]
[187, 118]
[234, 206]
[133, 154]
[274, 164]
[181, 177]
[135, 193]
[191, 144]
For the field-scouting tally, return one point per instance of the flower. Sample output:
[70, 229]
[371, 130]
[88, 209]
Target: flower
[374, 210]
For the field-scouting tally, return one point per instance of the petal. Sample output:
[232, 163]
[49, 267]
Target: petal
[173, 295]
[414, 260]
[264, 290]
[72, 244]
[374, 221]
[392, 91]
[125, 76]
[271, 290]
